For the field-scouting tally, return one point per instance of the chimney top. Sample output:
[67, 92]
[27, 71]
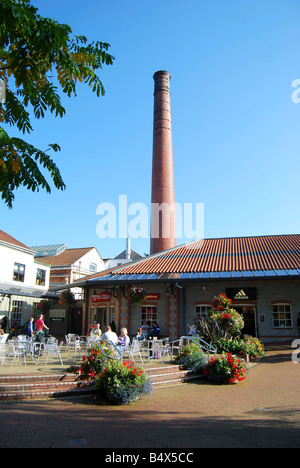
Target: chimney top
[161, 72]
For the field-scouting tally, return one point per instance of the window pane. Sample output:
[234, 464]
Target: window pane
[40, 277]
[282, 316]
[149, 314]
[19, 272]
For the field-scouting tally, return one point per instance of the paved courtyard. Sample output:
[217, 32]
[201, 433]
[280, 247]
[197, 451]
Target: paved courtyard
[262, 411]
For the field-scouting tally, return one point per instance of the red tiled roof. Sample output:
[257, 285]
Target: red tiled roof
[67, 257]
[11, 240]
[226, 254]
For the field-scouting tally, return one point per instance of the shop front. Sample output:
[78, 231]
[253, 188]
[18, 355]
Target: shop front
[244, 301]
[261, 275]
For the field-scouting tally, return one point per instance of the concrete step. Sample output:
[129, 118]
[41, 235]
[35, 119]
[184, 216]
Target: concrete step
[170, 375]
[25, 387]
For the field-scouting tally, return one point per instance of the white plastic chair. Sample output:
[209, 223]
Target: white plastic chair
[176, 345]
[135, 349]
[3, 338]
[2, 352]
[15, 352]
[73, 341]
[52, 348]
[160, 349]
[23, 338]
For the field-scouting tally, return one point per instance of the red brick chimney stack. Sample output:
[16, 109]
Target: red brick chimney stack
[163, 225]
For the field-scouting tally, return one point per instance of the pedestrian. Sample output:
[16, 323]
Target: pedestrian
[30, 327]
[40, 324]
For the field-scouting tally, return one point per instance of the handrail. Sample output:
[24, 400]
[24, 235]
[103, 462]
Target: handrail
[106, 355]
[209, 347]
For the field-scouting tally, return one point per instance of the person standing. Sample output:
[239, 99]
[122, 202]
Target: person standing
[40, 324]
[30, 327]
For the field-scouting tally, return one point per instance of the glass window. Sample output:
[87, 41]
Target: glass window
[40, 277]
[19, 272]
[202, 310]
[16, 312]
[282, 316]
[93, 267]
[149, 315]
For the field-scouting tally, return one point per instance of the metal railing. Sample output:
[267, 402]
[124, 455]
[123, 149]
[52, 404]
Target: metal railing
[119, 354]
[201, 343]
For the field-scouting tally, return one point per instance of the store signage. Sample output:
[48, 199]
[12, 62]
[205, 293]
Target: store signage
[152, 297]
[241, 294]
[103, 297]
[57, 315]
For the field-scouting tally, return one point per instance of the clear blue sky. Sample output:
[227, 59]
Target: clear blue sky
[236, 131]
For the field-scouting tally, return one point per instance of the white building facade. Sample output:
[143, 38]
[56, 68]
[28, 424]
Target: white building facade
[24, 281]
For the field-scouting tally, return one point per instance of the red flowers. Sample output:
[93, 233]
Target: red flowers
[221, 302]
[225, 369]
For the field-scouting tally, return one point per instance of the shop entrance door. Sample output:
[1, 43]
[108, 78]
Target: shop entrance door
[76, 321]
[248, 314]
[105, 316]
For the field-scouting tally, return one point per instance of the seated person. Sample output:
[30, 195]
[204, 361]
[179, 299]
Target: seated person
[145, 327]
[140, 335]
[96, 333]
[155, 330]
[109, 335]
[123, 340]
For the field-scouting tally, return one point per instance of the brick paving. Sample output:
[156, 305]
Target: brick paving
[262, 411]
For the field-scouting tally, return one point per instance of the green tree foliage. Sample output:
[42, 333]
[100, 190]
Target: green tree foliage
[38, 56]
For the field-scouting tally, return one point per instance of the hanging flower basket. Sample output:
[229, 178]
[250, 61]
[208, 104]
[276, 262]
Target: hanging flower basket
[221, 302]
[44, 306]
[137, 294]
[231, 320]
[66, 298]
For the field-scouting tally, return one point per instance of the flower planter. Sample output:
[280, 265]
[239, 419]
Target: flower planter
[245, 357]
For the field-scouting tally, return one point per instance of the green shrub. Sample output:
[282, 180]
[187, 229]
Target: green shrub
[122, 382]
[192, 357]
[249, 345]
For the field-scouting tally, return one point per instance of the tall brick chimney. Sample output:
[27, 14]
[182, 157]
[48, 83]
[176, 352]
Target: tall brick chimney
[163, 224]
